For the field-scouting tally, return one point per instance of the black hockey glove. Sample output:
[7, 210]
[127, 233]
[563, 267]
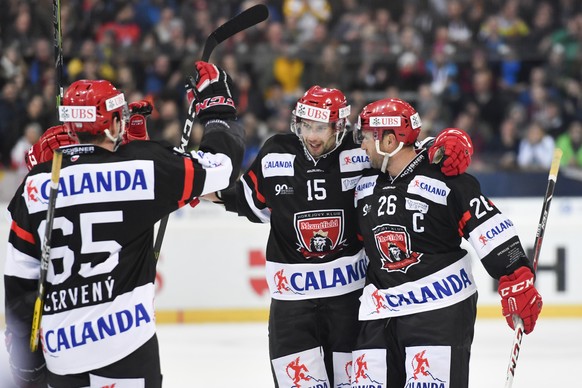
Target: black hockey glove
[28, 369]
[212, 89]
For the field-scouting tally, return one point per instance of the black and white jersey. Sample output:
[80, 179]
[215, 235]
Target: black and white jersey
[412, 227]
[313, 250]
[100, 291]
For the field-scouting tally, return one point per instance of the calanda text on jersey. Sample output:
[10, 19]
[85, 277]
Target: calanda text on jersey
[100, 291]
[412, 227]
[313, 250]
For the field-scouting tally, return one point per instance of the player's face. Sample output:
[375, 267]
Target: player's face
[369, 145]
[319, 138]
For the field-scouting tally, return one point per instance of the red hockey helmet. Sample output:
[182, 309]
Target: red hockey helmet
[325, 105]
[89, 106]
[390, 114]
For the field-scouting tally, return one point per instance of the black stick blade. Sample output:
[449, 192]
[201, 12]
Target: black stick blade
[242, 21]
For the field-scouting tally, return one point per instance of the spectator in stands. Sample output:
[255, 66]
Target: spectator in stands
[302, 16]
[30, 136]
[535, 149]
[505, 146]
[571, 145]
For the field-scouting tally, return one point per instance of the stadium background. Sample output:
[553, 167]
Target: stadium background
[508, 72]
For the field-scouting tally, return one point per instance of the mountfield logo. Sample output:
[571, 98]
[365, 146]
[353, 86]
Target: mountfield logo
[319, 233]
[393, 244]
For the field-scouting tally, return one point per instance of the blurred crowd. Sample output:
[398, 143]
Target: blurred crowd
[509, 72]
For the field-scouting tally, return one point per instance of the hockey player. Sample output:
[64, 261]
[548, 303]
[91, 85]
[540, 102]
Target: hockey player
[418, 307]
[98, 325]
[303, 184]
[60, 135]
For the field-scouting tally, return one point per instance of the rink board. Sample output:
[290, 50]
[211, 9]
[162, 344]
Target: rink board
[212, 264]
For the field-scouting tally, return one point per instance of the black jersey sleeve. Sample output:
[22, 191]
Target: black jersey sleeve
[491, 233]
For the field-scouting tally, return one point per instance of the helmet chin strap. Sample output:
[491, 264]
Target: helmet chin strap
[119, 139]
[387, 155]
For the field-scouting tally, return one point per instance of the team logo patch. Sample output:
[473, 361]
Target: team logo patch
[416, 206]
[368, 368]
[301, 370]
[319, 232]
[429, 188]
[32, 194]
[276, 164]
[428, 366]
[353, 160]
[393, 243]
[283, 189]
[282, 283]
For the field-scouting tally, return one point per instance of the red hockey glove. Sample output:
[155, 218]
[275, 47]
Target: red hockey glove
[452, 148]
[136, 127]
[53, 138]
[212, 89]
[143, 107]
[519, 296]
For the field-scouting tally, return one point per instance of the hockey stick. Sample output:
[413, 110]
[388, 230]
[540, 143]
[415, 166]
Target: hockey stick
[246, 19]
[517, 321]
[240, 22]
[46, 248]
[58, 46]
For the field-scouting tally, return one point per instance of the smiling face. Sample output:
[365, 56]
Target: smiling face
[318, 138]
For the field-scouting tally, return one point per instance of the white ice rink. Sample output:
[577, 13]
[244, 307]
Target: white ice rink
[235, 355]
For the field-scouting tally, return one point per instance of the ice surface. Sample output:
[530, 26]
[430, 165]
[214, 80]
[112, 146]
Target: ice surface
[236, 355]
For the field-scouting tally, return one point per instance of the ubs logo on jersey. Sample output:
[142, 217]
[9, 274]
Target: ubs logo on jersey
[319, 232]
[393, 243]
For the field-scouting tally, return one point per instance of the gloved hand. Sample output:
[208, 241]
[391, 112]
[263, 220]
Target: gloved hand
[143, 107]
[28, 369]
[136, 127]
[452, 148]
[519, 296]
[53, 138]
[212, 91]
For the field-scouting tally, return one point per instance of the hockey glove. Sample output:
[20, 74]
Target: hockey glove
[53, 138]
[136, 127]
[28, 369]
[452, 149]
[519, 296]
[211, 88]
